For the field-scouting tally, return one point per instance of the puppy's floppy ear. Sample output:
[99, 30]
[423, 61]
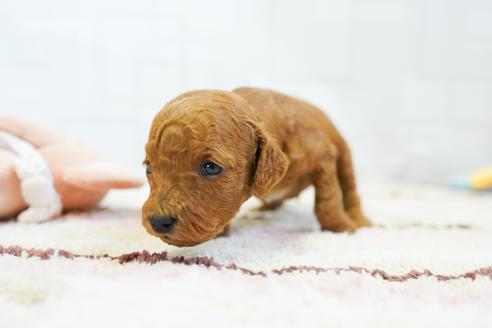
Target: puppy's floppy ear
[269, 163]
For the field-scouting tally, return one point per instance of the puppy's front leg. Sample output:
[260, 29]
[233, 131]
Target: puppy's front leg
[329, 202]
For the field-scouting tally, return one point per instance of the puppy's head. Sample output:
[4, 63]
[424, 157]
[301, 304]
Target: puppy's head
[205, 156]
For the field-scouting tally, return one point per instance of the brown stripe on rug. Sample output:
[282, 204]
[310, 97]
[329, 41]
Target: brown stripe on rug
[153, 258]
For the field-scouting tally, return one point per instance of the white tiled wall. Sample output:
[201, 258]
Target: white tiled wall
[409, 82]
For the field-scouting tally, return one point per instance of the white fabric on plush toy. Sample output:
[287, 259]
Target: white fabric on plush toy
[37, 183]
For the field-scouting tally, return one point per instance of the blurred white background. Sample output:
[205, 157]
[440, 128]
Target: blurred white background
[409, 82]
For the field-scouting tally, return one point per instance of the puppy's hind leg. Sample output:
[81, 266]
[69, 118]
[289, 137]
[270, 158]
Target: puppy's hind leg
[346, 177]
[328, 204]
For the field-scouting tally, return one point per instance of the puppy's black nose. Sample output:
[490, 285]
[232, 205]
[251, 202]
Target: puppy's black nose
[162, 223]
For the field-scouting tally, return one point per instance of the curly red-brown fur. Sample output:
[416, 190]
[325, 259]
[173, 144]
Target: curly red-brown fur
[269, 145]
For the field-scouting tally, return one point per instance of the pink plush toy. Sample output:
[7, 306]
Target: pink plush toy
[42, 173]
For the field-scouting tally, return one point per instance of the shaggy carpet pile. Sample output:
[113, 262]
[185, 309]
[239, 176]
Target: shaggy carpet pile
[428, 261]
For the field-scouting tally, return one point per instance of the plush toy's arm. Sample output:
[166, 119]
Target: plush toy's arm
[102, 176]
[28, 131]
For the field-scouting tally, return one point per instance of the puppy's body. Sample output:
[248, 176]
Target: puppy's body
[268, 144]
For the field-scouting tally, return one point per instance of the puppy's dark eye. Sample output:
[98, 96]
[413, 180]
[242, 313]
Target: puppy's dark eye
[210, 168]
[148, 169]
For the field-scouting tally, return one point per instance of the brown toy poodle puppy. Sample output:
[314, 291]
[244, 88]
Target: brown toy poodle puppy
[209, 151]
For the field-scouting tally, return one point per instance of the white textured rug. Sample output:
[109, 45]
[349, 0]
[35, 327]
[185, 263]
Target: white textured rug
[429, 262]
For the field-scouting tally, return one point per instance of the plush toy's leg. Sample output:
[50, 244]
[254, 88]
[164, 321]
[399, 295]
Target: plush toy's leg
[43, 200]
[328, 204]
[346, 177]
[38, 214]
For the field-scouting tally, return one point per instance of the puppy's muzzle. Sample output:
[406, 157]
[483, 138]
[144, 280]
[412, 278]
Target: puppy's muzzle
[162, 223]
